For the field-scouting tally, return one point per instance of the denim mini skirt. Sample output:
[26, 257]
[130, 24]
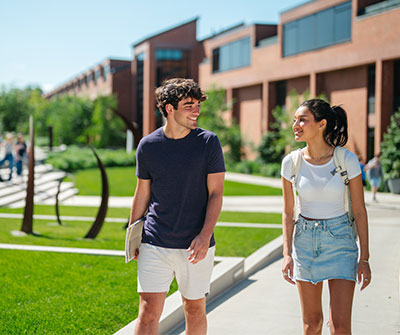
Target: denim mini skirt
[324, 249]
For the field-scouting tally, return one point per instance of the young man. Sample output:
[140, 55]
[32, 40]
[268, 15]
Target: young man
[180, 177]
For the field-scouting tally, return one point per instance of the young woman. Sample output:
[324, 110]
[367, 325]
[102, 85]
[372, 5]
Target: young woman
[320, 244]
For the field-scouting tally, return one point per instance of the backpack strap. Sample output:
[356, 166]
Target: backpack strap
[296, 157]
[340, 167]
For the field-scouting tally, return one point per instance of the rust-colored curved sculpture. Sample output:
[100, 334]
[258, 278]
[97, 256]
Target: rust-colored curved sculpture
[27, 222]
[57, 194]
[101, 214]
[132, 126]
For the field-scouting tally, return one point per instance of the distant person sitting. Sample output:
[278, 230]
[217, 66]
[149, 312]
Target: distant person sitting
[20, 153]
[8, 154]
[375, 174]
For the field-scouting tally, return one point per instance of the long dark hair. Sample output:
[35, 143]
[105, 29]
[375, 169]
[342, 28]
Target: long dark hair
[335, 133]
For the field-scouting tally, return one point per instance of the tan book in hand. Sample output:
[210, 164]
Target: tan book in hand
[133, 238]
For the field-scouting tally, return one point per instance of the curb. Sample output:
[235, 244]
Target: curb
[229, 271]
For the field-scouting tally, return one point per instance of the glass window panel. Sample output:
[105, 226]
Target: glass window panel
[224, 58]
[324, 28]
[342, 22]
[290, 38]
[215, 64]
[245, 51]
[235, 54]
[306, 33]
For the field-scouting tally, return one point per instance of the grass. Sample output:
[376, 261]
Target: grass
[122, 182]
[250, 217]
[112, 236]
[52, 293]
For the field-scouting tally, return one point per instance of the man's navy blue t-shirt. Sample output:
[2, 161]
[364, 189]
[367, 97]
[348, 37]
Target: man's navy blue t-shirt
[178, 170]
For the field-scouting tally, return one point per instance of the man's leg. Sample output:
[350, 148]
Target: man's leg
[150, 309]
[195, 316]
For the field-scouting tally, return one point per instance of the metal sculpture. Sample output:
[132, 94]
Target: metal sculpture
[57, 207]
[27, 222]
[131, 125]
[101, 214]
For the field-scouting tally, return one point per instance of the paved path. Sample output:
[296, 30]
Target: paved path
[265, 304]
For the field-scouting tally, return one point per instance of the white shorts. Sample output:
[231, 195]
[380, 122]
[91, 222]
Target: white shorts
[157, 267]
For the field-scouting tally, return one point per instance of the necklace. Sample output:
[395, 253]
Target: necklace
[317, 159]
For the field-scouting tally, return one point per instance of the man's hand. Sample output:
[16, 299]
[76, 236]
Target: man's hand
[198, 249]
[136, 255]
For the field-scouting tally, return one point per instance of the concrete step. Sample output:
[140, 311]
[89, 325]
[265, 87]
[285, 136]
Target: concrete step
[45, 194]
[17, 185]
[13, 192]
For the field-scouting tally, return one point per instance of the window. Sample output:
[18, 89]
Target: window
[396, 85]
[168, 54]
[232, 55]
[97, 75]
[106, 72]
[371, 89]
[328, 27]
[88, 79]
[139, 90]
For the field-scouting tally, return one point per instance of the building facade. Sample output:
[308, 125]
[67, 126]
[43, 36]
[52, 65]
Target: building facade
[112, 76]
[171, 53]
[348, 51]
[345, 50]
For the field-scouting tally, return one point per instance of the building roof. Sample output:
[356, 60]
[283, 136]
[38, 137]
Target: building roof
[164, 31]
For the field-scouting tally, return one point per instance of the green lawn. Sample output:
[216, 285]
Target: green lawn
[122, 182]
[53, 293]
[251, 217]
[112, 236]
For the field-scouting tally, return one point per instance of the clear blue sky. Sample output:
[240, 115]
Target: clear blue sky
[46, 42]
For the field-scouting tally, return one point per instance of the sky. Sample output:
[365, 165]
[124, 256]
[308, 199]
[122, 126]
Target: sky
[47, 42]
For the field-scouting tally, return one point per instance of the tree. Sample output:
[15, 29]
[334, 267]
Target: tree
[107, 129]
[391, 148]
[280, 138]
[211, 118]
[14, 108]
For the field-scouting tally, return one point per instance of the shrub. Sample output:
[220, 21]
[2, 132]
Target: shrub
[77, 158]
[391, 148]
[268, 151]
[255, 167]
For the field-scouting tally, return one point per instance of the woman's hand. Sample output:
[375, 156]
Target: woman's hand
[287, 269]
[363, 273]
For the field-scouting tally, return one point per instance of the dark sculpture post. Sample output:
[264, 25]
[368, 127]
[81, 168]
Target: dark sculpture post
[57, 201]
[27, 223]
[101, 214]
[50, 128]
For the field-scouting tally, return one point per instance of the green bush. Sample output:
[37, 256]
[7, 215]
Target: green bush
[391, 148]
[211, 119]
[255, 167]
[77, 158]
[268, 151]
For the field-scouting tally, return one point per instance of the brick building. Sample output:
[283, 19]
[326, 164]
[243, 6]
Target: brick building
[347, 50]
[112, 76]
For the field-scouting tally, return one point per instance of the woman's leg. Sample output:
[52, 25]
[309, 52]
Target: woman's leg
[311, 306]
[341, 302]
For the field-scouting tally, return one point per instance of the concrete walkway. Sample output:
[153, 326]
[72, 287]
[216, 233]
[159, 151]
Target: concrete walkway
[264, 303]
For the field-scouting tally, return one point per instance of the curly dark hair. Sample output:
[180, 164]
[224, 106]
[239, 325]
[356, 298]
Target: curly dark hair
[336, 129]
[174, 90]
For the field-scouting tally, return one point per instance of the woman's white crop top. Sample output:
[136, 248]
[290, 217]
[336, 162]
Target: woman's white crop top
[321, 194]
